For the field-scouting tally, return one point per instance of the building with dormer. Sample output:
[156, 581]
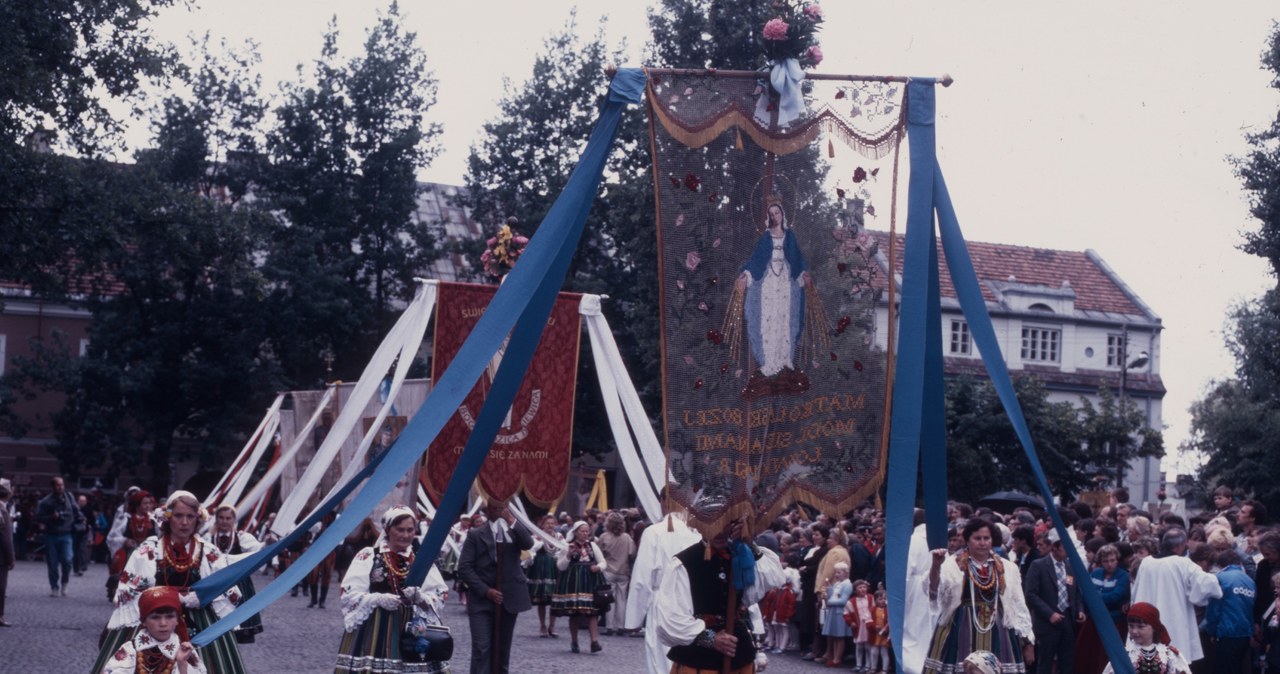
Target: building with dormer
[1067, 318]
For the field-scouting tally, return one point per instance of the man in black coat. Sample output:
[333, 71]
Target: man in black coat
[1056, 610]
[497, 589]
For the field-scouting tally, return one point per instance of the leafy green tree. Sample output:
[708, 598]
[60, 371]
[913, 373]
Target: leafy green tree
[344, 152]
[984, 454]
[1234, 425]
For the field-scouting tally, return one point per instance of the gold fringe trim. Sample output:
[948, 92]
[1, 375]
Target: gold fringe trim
[825, 121]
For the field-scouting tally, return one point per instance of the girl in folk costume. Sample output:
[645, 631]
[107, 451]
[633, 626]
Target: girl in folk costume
[979, 603]
[128, 533]
[878, 643]
[834, 627]
[581, 566]
[235, 545]
[1148, 646]
[162, 645]
[376, 605]
[777, 609]
[859, 612]
[542, 576]
[177, 558]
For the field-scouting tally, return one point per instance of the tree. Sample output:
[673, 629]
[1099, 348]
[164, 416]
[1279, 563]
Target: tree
[62, 57]
[1234, 425]
[344, 151]
[178, 362]
[984, 454]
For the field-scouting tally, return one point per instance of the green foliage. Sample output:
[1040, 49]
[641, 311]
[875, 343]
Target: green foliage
[984, 454]
[1234, 426]
[61, 57]
[344, 153]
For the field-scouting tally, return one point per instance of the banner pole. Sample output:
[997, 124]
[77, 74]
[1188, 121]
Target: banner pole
[945, 80]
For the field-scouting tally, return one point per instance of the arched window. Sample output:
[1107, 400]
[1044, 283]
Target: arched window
[1040, 307]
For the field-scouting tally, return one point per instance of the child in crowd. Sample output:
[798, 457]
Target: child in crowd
[1148, 646]
[860, 614]
[878, 646]
[778, 607]
[834, 627]
[161, 643]
[981, 662]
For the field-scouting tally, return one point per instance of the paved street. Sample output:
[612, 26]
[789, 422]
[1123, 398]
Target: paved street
[57, 635]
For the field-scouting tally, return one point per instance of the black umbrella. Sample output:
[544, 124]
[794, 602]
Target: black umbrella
[1006, 501]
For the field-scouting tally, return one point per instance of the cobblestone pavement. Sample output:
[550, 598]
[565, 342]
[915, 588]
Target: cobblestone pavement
[60, 635]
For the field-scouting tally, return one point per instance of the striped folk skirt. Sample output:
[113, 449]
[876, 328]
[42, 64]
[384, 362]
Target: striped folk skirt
[253, 625]
[576, 591]
[955, 640]
[374, 646]
[542, 579]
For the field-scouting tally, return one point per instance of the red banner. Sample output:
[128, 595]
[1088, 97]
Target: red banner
[532, 449]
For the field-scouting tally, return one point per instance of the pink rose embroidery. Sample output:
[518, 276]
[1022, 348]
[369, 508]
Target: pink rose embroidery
[692, 260]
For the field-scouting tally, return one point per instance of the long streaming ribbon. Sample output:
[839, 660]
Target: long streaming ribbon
[919, 375]
[523, 304]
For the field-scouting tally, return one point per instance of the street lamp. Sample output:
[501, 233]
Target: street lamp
[1139, 362]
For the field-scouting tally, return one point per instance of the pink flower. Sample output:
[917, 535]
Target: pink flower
[692, 260]
[776, 29]
[813, 11]
[715, 244]
[522, 240]
[680, 283]
[688, 360]
[814, 54]
[688, 91]
[679, 219]
[702, 306]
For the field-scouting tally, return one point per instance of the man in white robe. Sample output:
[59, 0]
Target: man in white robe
[917, 627]
[1176, 585]
[658, 544]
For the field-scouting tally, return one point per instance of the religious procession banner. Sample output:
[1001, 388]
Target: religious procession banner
[533, 447]
[774, 374]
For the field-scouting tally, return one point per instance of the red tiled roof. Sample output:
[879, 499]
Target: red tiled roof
[1094, 289]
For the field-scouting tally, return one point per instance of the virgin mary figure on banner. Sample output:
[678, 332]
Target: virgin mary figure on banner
[774, 279]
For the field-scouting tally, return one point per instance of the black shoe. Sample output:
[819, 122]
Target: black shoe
[312, 604]
[596, 647]
[574, 647]
[294, 593]
[321, 604]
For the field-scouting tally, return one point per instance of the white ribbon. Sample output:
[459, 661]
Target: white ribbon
[785, 77]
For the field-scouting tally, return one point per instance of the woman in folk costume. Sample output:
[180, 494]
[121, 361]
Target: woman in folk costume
[377, 605]
[127, 533]
[236, 545]
[542, 576]
[177, 558]
[581, 566]
[162, 645]
[1148, 645]
[979, 602]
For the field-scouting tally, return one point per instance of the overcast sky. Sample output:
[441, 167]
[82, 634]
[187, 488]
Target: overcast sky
[1093, 124]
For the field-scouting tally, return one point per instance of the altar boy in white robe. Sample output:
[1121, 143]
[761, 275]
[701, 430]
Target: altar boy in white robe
[1176, 585]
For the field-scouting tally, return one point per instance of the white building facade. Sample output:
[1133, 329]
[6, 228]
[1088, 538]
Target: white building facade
[1066, 317]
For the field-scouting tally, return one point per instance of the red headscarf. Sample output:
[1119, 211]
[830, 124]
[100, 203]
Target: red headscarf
[1151, 616]
[135, 500]
[156, 598]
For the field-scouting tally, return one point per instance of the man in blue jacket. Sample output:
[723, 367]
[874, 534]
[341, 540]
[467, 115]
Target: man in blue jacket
[1229, 620]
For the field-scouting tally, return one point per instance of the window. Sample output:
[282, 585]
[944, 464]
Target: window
[1116, 349]
[960, 344]
[1040, 344]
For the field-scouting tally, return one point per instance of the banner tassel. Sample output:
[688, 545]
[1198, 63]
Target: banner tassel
[831, 150]
[738, 142]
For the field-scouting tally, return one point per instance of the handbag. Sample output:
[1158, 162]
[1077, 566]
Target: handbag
[603, 596]
[424, 642]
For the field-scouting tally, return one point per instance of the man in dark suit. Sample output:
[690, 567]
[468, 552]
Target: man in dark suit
[1056, 610]
[497, 590]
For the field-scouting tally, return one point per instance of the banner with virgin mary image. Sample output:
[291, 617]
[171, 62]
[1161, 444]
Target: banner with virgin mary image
[774, 296]
[531, 452]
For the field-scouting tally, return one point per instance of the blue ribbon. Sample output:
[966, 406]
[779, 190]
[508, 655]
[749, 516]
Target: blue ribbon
[786, 77]
[523, 304]
[918, 381]
[744, 566]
